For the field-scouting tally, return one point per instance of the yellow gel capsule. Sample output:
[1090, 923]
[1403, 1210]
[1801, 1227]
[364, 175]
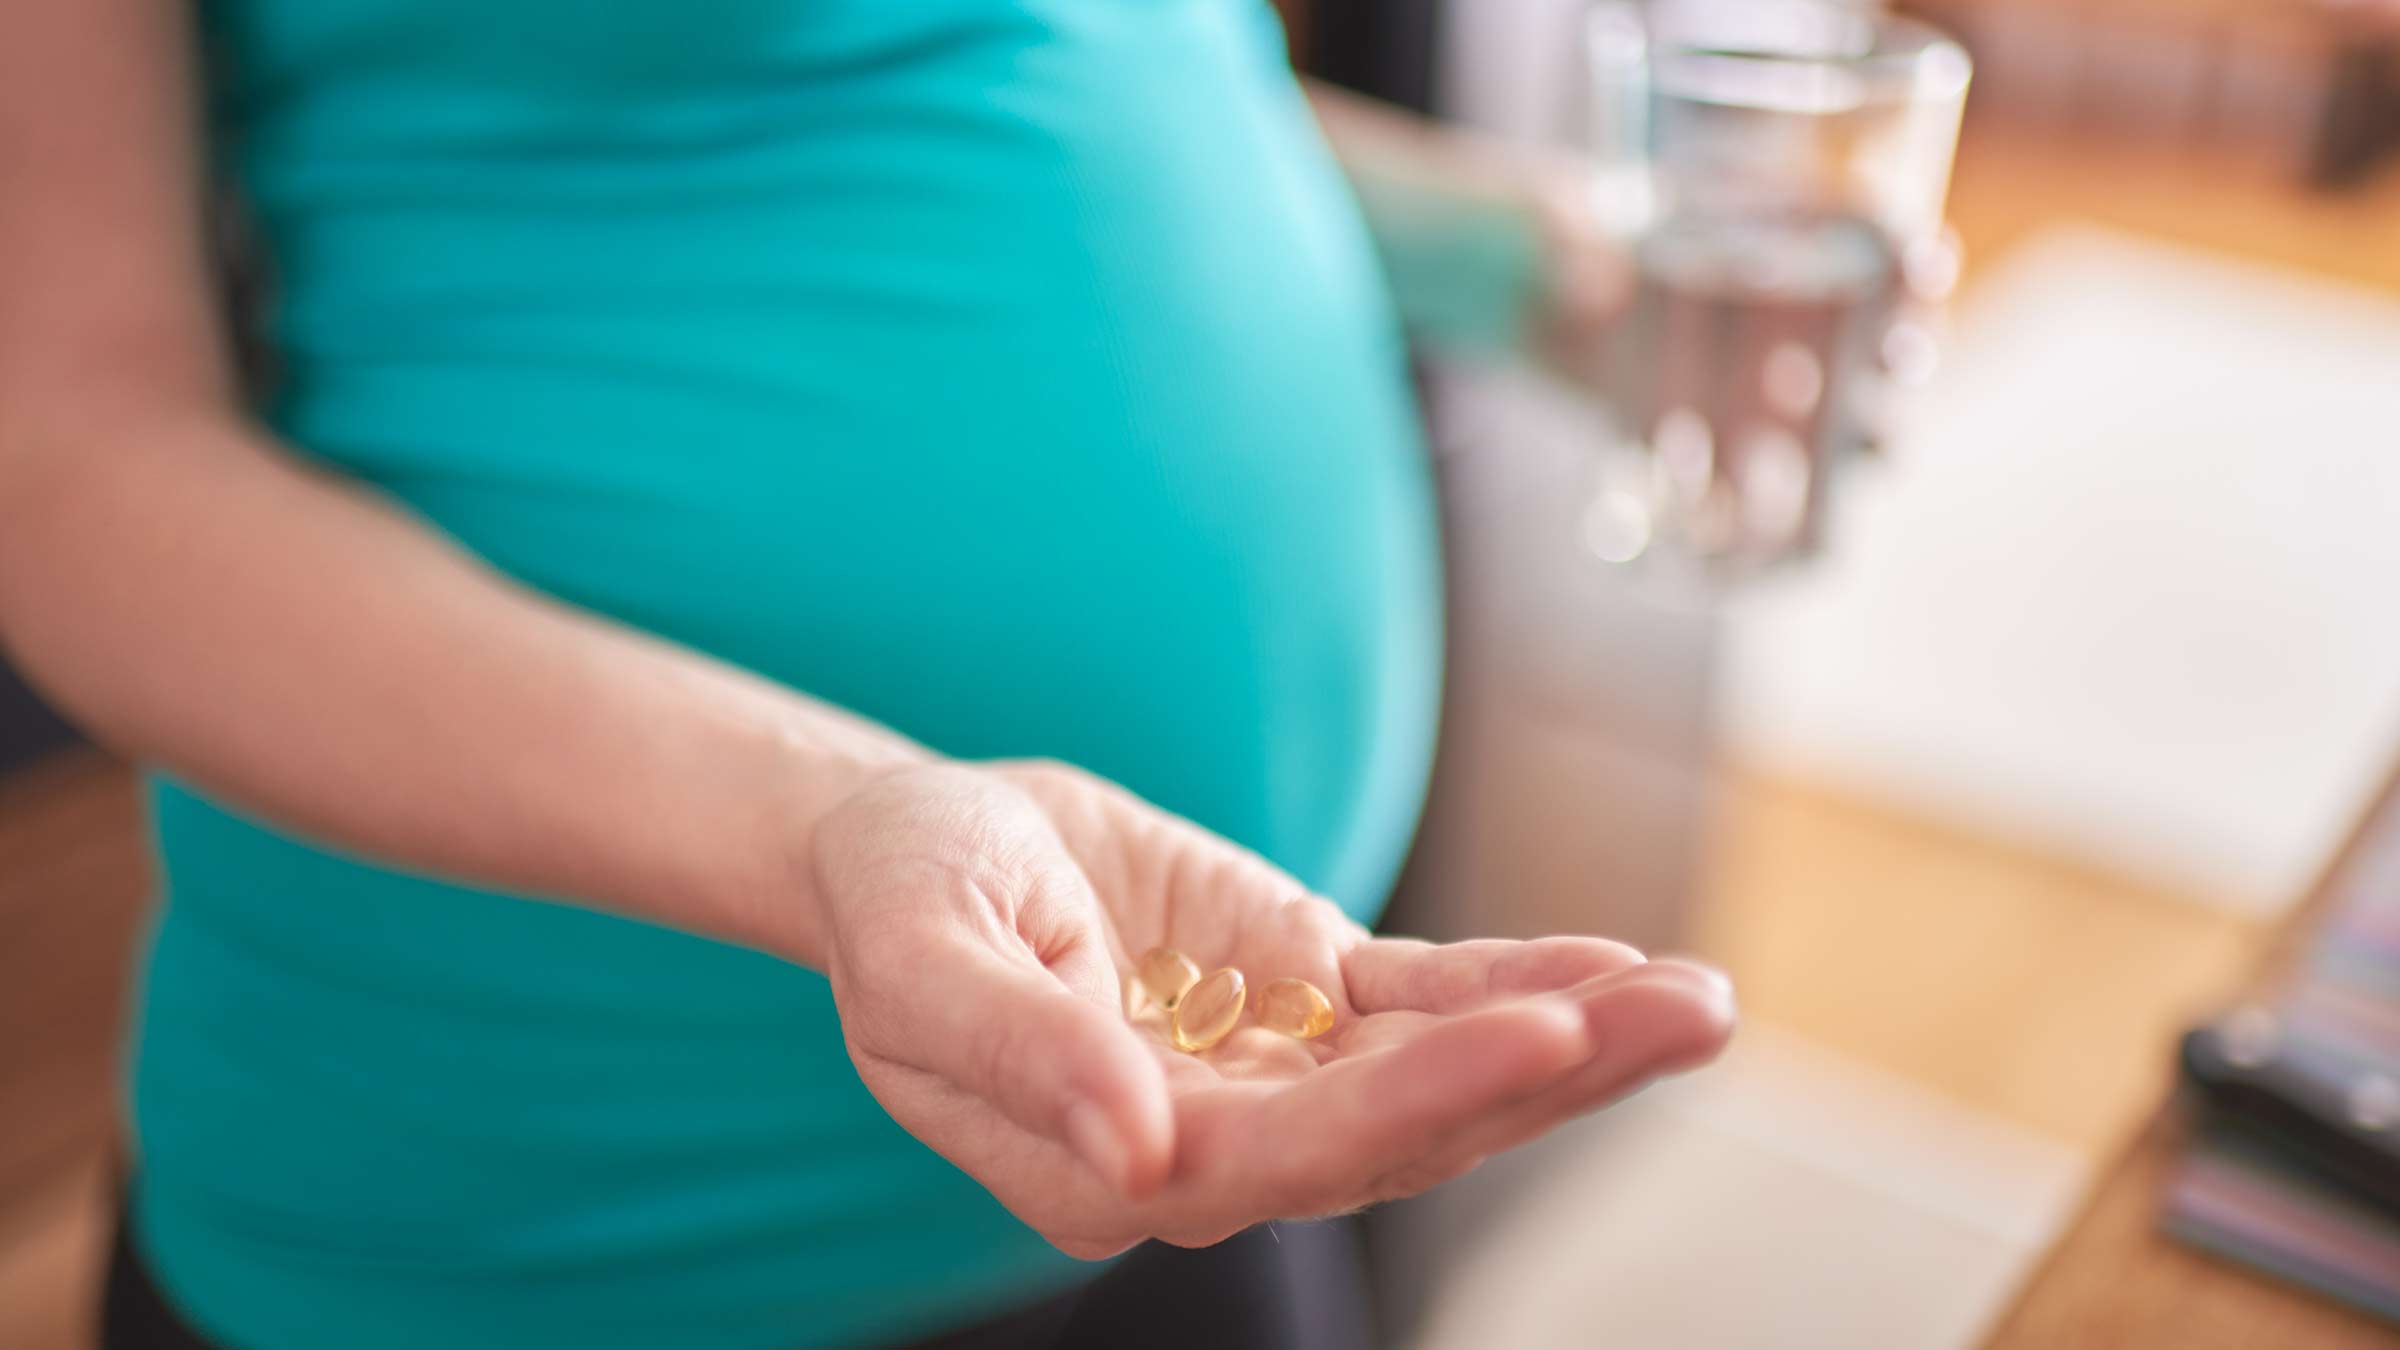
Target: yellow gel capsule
[1166, 973]
[1208, 1010]
[1296, 1008]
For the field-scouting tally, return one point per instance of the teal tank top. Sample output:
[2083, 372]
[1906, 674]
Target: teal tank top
[1015, 372]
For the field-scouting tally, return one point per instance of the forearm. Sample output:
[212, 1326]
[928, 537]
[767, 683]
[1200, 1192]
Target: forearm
[1487, 244]
[1388, 144]
[1454, 221]
[310, 654]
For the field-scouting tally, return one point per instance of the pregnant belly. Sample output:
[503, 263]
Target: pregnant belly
[1035, 394]
[1201, 562]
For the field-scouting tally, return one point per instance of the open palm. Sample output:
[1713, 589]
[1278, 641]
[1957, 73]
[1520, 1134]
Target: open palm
[984, 927]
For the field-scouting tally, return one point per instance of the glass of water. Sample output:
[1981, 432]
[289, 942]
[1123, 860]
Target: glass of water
[1779, 167]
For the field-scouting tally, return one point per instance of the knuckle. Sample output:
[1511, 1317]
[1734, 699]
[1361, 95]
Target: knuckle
[1046, 768]
[1046, 780]
[1321, 915]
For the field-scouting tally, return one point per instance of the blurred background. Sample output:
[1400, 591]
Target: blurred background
[2044, 754]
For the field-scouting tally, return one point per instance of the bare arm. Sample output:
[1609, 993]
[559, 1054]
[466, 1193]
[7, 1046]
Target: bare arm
[1487, 243]
[1390, 144]
[198, 597]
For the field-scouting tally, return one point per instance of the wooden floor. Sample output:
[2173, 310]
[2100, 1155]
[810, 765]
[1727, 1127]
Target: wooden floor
[2010, 185]
[2039, 991]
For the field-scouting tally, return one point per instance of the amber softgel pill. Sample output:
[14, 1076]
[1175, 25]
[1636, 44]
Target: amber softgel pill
[1296, 1008]
[1208, 1010]
[1165, 974]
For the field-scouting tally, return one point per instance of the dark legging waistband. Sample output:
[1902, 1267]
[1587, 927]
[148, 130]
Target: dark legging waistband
[1292, 1287]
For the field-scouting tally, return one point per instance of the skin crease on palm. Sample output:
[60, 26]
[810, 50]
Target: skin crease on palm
[983, 923]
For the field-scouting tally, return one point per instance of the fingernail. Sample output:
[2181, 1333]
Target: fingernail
[1701, 973]
[1710, 989]
[1097, 1142]
[1691, 981]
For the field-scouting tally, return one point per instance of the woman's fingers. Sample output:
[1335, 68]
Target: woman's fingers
[1330, 1139]
[1441, 1093]
[1661, 1018]
[1403, 974]
[1060, 1064]
[1454, 1089]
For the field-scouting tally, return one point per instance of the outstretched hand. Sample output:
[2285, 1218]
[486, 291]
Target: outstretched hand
[983, 924]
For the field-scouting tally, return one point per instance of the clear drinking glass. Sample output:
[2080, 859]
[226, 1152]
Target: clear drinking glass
[1779, 167]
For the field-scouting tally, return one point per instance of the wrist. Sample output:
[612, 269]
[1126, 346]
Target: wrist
[772, 893]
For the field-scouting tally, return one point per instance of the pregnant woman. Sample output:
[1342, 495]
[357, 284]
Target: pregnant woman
[786, 543]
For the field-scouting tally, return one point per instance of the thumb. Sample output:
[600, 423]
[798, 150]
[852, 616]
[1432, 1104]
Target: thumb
[1002, 1027]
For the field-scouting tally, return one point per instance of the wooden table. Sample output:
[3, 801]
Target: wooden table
[2116, 1282]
